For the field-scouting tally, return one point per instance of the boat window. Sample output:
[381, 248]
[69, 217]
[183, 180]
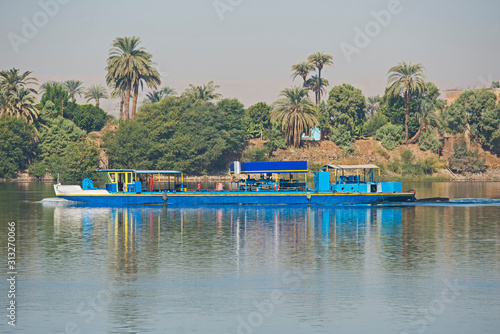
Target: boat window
[129, 178]
[113, 177]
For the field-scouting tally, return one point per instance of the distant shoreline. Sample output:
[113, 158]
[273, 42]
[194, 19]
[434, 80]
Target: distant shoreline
[489, 175]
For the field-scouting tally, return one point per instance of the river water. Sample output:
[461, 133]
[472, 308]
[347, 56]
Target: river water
[253, 269]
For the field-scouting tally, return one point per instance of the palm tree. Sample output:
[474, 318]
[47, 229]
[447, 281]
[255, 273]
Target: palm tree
[23, 105]
[296, 112]
[127, 62]
[119, 88]
[372, 105]
[318, 86]
[153, 97]
[96, 92]
[158, 95]
[168, 91]
[47, 84]
[302, 69]
[11, 79]
[406, 79]
[427, 118]
[119, 94]
[74, 87]
[16, 99]
[320, 60]
[148, 75]
[202, 93]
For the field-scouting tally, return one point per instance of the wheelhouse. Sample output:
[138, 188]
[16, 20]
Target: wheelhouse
[353, 178]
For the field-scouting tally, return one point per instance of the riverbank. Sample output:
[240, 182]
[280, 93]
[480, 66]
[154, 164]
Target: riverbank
[442, 175]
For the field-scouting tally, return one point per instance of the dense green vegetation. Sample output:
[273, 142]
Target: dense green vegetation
[49, 136]
[296, 112]
[180, 134]
[476, 114]
[345, 114]
[408, 165]
[15, 145]
[200, 131]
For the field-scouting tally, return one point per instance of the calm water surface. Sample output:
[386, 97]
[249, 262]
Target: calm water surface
[254, 269]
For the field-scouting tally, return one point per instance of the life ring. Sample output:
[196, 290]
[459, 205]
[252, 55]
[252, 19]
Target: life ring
[276, 187]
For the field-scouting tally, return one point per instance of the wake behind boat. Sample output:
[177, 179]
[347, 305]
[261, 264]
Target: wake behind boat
[257, 183]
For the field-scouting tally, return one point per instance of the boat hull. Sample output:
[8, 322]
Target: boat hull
[233, 197]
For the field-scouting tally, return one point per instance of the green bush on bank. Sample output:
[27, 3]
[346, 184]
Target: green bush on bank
[16, 145]
[390, 135]
[371, 127]
[407, 165]
[429, 142]
[465, 161]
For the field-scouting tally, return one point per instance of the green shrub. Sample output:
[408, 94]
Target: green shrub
[394, 166]
[428, 165]
[429, 142]
[465, 161]
[409, 166]
[37, 169]
[390, 136]
[16, 141]
[376, 122]
[256, 154]
[342, 135]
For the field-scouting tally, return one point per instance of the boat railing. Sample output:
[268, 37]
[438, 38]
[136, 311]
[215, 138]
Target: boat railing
[268, 185]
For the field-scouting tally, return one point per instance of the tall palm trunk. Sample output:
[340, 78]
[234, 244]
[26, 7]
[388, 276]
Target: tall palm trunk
[407, 112]
[304, 77]
[127, 100]
[121, 108]
[414, 139]
[134, 101]
[97, 102]
[318, 96]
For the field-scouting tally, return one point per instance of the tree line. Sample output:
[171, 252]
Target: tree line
[199, 131]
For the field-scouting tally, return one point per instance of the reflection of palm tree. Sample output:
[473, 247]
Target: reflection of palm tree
[74, 87]
[372, 105]
[406, 79]
[320, 60]
[127, 62]
[202, 93]
[96, 92]
[318, 86]
[427, 118]
[302, 69]
[296, 112]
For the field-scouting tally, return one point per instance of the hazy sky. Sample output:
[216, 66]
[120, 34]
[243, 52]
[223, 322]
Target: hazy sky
[248, 46]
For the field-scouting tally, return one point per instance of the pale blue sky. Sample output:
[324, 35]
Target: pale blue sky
[250, 51]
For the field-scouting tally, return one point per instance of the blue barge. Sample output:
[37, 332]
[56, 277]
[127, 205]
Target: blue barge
[267, 183]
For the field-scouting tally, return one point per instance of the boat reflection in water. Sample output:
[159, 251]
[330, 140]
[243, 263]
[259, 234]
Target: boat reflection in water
[175, 261]
[123, 231]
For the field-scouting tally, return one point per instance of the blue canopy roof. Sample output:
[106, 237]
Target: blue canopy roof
[269, 167]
